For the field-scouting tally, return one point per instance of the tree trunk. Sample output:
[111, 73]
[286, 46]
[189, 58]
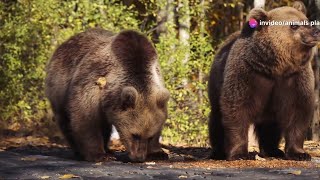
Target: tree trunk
[184, 31]
[259, 3]
[202, 29]
[184, 26]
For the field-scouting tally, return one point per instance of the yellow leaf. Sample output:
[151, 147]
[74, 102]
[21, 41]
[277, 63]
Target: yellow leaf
[28, 159]
[44, 177]
[98, 164]
[298, 172]
[101, 82]
[150, 163]
[68, 176]
[183, 177]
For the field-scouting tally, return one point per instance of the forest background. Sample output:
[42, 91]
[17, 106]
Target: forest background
[186, 34]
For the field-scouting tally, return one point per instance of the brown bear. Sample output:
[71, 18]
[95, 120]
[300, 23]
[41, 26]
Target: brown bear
[263, 76]
[97, 79]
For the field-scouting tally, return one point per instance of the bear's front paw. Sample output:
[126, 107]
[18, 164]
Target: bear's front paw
[161, 155]
[277, 153]
[298, 156]
[216, 155]
[246, 156]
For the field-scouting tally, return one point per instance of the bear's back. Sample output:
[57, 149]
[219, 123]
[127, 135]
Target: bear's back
[67, 57]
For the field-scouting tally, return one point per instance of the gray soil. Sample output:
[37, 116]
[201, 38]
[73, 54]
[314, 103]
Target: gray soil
[53, 163]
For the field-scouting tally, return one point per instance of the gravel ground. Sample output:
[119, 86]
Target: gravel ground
[41, 162]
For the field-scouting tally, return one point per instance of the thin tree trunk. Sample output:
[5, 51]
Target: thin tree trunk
[184, 26]
[259, 3]
[202, 30]
[184, 31]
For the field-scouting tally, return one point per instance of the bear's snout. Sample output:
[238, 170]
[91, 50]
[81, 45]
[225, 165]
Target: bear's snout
[315, 32]
[138, 151]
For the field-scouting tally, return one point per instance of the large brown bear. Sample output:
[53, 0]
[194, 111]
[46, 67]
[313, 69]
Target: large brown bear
[97, 79]
[263, 76]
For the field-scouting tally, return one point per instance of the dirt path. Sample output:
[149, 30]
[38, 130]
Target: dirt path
[41, 160]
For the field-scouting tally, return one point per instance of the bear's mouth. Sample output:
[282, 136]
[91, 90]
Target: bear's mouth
[309, 43]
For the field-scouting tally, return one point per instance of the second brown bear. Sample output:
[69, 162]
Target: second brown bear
[263, 76]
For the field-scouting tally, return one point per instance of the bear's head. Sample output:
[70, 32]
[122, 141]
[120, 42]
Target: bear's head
[286, 29]
[139, 119]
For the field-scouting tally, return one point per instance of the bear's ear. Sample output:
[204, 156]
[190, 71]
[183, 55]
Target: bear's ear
[300, 6]
[258, 14]
[129, 96]
[255, 15]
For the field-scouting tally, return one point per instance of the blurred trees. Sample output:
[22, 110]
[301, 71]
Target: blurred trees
[185, 33]
[30, 30]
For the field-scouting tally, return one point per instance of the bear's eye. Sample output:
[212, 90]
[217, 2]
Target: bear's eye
[294, 27]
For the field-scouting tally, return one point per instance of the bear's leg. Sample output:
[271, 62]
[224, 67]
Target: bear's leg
[236, 139]
[155, 151]
[295, 111]
[88, 138]
[243, 99]
[294, 145]
[64, 124]
[216, 135]
[269, 136]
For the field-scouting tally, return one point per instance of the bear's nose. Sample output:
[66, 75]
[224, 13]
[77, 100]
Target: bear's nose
[315, 32]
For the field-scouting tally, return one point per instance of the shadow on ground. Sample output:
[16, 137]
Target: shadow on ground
[51, 161]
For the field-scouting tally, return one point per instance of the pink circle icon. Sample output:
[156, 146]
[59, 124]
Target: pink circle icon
[253, 23]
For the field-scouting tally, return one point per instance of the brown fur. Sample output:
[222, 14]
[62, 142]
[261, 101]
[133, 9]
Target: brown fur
[263, 76]
[97, 79]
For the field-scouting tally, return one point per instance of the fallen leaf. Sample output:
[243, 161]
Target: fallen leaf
[165, 150]
[44, 177]
[150, 163]
[28, 159]
[98, 164]
[68, 176]
[257, 157]
[182, 177]
[298, 172]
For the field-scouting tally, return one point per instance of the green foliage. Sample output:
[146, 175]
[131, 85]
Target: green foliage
[30, 30]
[186, 81]
[188, 107]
